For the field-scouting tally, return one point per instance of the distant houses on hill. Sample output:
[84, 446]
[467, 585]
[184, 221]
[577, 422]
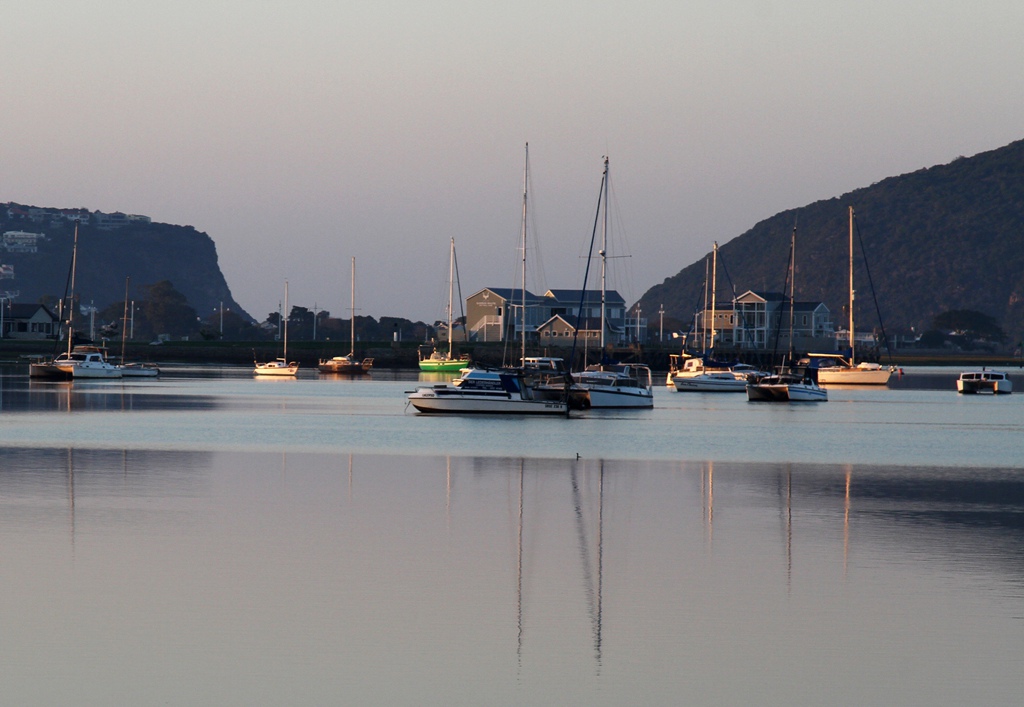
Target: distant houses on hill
[99, 219]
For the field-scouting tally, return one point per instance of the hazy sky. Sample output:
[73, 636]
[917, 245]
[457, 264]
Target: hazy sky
[300, 133]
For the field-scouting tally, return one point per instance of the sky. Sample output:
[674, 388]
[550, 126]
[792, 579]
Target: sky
[301, 134]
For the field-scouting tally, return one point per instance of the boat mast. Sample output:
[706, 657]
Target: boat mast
[852, 362]
[124, 319]
[352, 315]
[604, 255]
[451, 288]
[71, 311]
[714, 287]
[526, 172]
[792, 291]
[286, 321]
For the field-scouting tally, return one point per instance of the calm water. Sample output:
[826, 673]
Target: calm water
[212, 539]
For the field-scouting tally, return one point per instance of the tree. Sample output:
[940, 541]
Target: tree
[970, 325]
[166, 311]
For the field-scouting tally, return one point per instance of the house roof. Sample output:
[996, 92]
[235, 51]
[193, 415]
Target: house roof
[27, 311]
[510, 294]
[591, 296]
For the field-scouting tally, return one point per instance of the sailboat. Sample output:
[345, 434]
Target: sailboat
[835, 369]
[786, 385]
[612, 385]
[281, 366]
[496, 391]
[348, 363]
[703, 374]
[132, 369]
[77, 361]
[441, 361]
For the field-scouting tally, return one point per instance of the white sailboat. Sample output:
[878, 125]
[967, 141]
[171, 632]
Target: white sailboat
[701, 374]
[834, 369]
[281, 366]
[348, 363]
[612, 385]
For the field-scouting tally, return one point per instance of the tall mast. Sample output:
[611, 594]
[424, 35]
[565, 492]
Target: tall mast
[71, 311]
[714, 286]
[451, 292]
[124, 319]
[852, 362]
[792, 291]
[286, 321]
[526, 172]
[604, 254]
[352, 315]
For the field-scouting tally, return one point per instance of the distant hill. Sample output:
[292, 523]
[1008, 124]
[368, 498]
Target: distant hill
[146, 252]
[945, 238]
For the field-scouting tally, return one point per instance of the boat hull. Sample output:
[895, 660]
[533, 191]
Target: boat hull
[710, 384]
[854, 376]
[443, 366]
[600, 397]
[985, 382]
[276, 368]
[446, 400]
[345, 366]
[48, 371]
[786, 393]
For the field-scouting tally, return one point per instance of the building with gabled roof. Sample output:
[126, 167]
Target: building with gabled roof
[28, 321]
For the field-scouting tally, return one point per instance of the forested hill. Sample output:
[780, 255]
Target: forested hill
[147, 253]
[945, 238]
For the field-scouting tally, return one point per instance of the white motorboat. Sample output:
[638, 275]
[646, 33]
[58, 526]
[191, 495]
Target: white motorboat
[507, 391]
[87, 362]
[984, 381]
[280, 366]
[785, 387]
[621, 385]
[711, 382]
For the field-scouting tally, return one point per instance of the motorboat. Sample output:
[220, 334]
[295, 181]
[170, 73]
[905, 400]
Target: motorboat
[711, 382]
[984, 381]
[620, 385]
[700, 374]
[87, 362]
[785, 387]
[506, 391]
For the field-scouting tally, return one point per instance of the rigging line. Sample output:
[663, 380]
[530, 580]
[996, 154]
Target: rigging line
[732, 287]
[462, 302]
[874, 298]
[785, 286]
[586, 273]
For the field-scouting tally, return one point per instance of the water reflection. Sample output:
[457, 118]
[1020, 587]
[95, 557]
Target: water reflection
[544, 581]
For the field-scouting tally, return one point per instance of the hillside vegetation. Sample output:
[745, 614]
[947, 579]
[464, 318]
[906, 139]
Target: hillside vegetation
[945, 238]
